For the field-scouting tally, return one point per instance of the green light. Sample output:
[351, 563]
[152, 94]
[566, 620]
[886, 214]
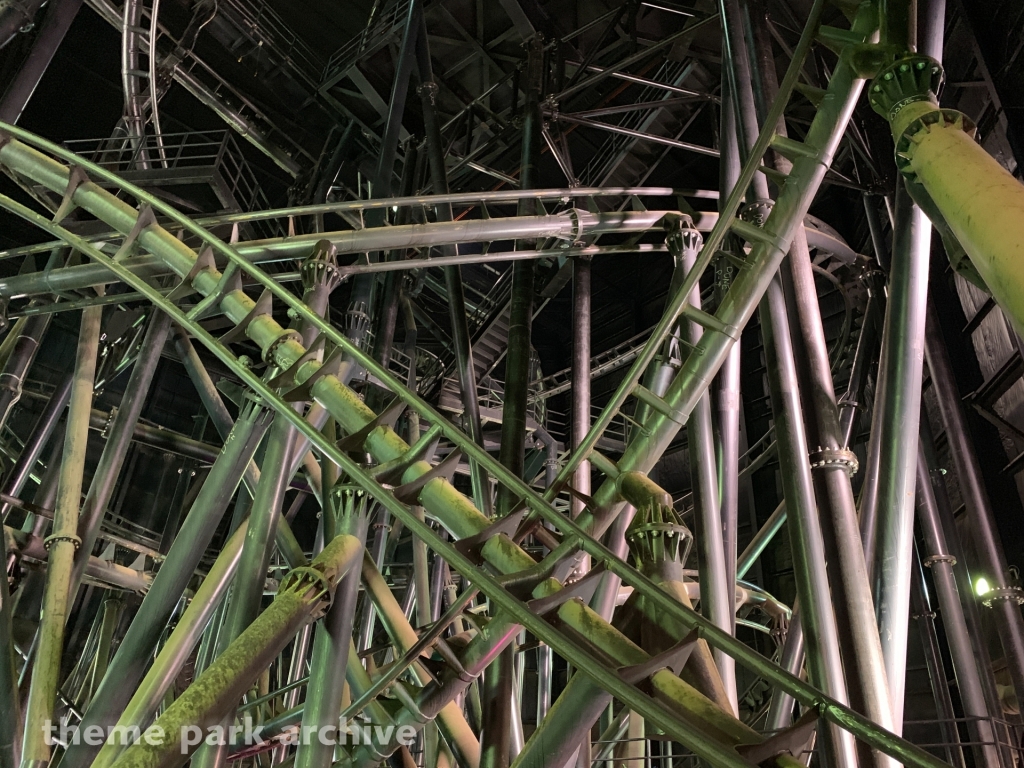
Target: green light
[982, 587]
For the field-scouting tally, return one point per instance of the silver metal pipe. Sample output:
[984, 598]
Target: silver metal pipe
[727, 387]
[936, 556]
[895, 430]
[982, 525]
[818, 620]
[580, 374]
[568, 226]
[131, 25]
[780, 710]
[33, 547]
[717, 593]
[924, 618]
[761, 540]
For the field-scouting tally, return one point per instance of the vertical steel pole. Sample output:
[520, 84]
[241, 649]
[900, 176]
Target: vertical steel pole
[717, 593]
[119, 440]
[992, 559]
[849, 582]
[136, 648]
[825, 667]
[580, 372]
[61, 544]
[895, 427]
[920, 603]
[517, 363]
[333, 636]
[728, 383]
[362, 285]
[497, 693]
[453, 274]
[939, 559]
[831, 489]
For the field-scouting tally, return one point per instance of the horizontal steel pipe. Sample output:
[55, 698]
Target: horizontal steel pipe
[28, 545]
[458, 513]
[568, 226]
[506, 196]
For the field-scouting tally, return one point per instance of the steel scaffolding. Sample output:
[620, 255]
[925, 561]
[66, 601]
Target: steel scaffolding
[398, 533]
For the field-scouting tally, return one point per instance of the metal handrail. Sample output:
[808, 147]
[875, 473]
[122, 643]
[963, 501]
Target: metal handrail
[373, 35]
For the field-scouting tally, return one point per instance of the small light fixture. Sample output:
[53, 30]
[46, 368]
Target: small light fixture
[981, 586]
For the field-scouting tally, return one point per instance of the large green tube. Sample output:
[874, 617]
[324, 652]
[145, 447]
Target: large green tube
[980, 201]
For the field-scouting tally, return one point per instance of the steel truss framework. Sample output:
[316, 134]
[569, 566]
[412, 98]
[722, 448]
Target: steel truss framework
[451, 677]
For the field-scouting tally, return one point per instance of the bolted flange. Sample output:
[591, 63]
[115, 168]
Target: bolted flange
[905, 81]
[757, 212]
[320, 268]
[681, 235]
[939, 119]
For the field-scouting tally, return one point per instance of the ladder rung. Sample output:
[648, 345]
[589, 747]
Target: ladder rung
[777, 176]
[737, 261]
[645, 395]
[753, 234]
[708, 321]
[812, 93]
[834, 36]
[603, 464]
[791, 148]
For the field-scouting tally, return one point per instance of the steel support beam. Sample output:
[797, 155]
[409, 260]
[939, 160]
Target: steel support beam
[62, 543]
[119, 437]
[202, 521]
[59, 15]
[302, 596]
[982, 527]
[887, 515]
[967, 656]
[452, 274]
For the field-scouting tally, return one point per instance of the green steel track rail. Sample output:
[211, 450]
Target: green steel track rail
[455, 511]
[284, 351]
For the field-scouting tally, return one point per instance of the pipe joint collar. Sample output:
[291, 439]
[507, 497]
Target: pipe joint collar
[918, 129]
[56, 538]
[907, 80]
[834, 458]
[1010, 594]
[757, 212]
[320, 268]
[681, 236]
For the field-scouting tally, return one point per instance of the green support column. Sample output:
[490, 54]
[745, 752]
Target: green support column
[304, 594]
[62, 543]
[954, 179]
